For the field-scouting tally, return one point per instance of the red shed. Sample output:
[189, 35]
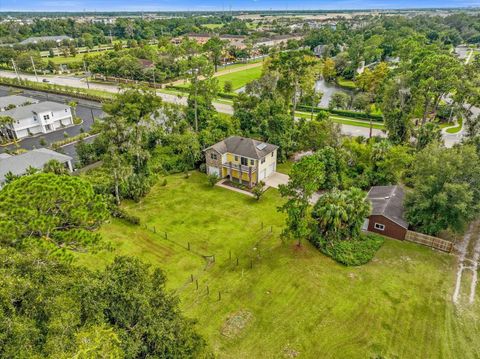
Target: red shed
[387, 216]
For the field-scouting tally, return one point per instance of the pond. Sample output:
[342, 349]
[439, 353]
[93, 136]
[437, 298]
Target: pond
[328, 89]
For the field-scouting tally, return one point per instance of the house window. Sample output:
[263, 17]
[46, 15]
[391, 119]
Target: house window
[252, 162]
[213, 156]
[244, 161]
[48, 128]
[236, 158]
[46, 117]
[263, 160]
[272, 154]
[379, 226]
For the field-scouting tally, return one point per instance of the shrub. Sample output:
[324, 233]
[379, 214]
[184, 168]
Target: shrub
[117, 212]
[228, 86]
[202, 168]
[164, 182]
[258, 190]
[43, 142]
[352, 252]
[212, 179]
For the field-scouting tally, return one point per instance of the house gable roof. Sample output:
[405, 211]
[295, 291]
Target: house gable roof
[243, 146]
[37, 158]
[15, 100]
[387, 201]
[22, 112]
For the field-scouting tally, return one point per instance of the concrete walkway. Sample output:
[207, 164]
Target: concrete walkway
[276, 179]
[234, 189]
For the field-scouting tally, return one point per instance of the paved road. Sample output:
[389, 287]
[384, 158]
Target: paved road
[181, 100]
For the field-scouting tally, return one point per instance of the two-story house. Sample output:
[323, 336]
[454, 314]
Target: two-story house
[241, 159]
[37, 118]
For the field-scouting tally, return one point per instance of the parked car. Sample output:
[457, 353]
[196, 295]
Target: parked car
[45, 80]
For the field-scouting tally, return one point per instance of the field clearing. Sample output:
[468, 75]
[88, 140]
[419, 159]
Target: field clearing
[281, 301]
[61, 60]
[212, 26]
[240, 78]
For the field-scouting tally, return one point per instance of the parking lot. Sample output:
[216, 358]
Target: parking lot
[86, 110]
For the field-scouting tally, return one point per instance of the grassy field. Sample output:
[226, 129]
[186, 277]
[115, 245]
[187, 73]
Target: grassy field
[282, 301]
[350, 84]
[212, 26]
[240, 78]
[61, 60]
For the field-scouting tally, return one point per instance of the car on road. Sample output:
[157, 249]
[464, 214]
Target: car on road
[45, 80]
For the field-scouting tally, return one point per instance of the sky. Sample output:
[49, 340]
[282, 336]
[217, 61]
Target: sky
[209, 5]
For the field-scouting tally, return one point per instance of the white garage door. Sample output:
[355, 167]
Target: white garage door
[271, 169]
[213, 170]
[262, 174]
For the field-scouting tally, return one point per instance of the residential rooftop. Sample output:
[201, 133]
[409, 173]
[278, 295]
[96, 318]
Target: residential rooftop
[27, 111]
[15, 100]
[387, 201]
[37, 158]
[37, 39]
[243, 146]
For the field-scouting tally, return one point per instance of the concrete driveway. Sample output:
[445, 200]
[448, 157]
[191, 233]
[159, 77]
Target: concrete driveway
[276, 179]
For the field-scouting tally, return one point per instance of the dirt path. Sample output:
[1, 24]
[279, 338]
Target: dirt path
[221, 72]
[467, 273]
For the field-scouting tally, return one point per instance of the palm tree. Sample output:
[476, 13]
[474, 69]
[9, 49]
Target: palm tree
[5, 121]
[73, 105]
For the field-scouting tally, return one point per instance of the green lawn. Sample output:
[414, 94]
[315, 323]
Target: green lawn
[350, 84]
[212, 26]
[457, 128]
[281, 301]
[61, 60]
[240, 78]
[345, 120]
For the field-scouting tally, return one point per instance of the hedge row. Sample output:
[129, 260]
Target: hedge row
[346, 113]
[306, 108]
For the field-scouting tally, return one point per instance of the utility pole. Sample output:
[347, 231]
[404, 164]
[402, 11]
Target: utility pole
[15, 68]
[111, 40]
[154, 84]
[34, 69]
[86, 74]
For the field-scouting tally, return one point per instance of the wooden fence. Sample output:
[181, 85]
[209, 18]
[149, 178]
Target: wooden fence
[429, 241]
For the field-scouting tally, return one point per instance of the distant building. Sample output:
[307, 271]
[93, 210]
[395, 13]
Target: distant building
[40, 39]
[18, 165]
[233, 40]
[244, 159]
[387, 216]
[13, 101]
[277, 40]
[42, 117]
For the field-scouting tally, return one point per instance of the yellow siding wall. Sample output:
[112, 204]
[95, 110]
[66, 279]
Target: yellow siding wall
[245, 177]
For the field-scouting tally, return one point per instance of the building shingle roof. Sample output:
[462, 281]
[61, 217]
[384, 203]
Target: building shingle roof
[22, 112]
[243, 146]
[37, 158]
[15, 100]
[387, 201]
